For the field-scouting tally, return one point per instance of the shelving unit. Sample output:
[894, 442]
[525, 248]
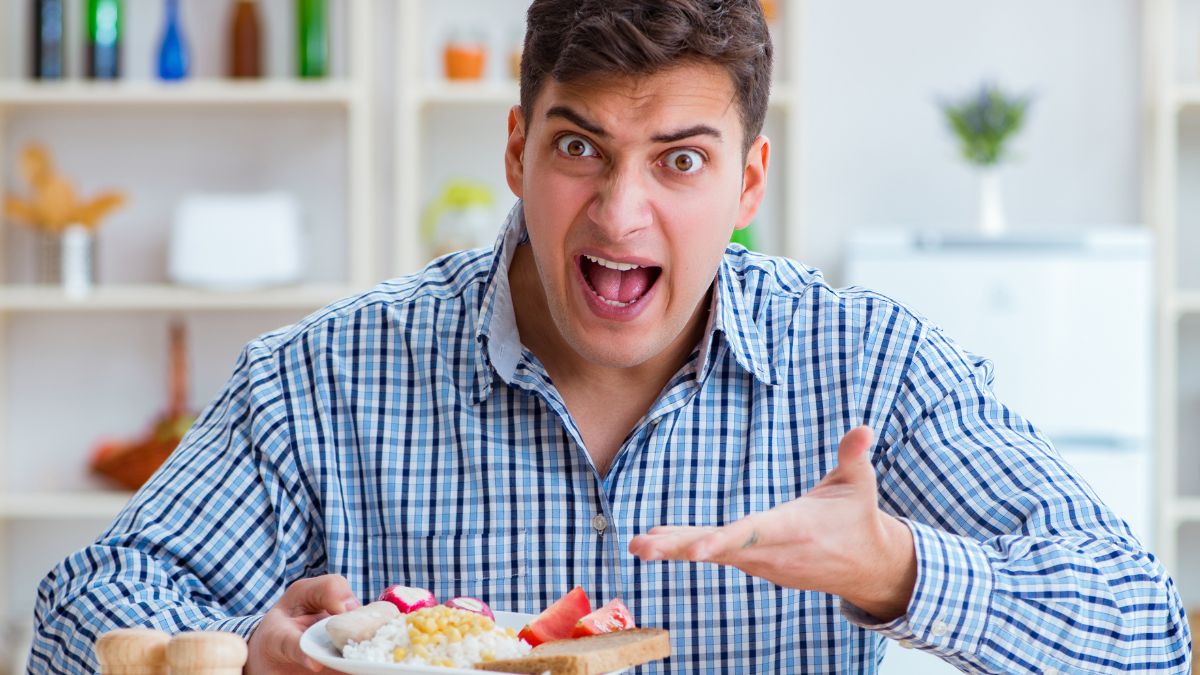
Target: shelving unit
[213, 92]
[51, 506]
[1169, 98]
[340, 108]
[166, 297]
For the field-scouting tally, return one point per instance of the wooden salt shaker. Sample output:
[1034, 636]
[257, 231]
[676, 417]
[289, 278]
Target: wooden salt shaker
[207, 653]
[133, 651]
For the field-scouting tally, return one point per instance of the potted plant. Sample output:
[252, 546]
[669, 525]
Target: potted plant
[984, 122]
[64, 223]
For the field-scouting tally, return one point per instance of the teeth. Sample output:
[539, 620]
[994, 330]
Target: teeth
[620, 267]
[613, 303]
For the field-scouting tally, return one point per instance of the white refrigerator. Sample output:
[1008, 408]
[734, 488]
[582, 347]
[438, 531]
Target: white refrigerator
[1068, 323]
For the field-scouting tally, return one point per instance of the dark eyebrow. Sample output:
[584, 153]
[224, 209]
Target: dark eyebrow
[576, 119]
[593, 128]
[698, 130]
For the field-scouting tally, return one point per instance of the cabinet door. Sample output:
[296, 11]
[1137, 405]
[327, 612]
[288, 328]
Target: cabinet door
[1068, 331]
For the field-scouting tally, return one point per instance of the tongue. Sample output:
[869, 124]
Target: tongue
[620, 286]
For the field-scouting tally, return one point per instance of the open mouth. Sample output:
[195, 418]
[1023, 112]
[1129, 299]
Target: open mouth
[617, 284]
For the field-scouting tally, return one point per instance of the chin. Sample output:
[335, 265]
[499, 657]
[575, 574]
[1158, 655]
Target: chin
[613, 353]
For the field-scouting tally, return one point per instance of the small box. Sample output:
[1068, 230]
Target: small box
[236, 241]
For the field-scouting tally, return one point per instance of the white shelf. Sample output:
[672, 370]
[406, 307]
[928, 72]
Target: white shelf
[1185, 303]
[1186, 510]
[166, 298]
[468, 93]
[1185, 96]
[16, 93]
[62, 505]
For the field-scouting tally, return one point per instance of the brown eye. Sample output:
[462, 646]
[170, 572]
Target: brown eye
[685, 161]
[572, 145]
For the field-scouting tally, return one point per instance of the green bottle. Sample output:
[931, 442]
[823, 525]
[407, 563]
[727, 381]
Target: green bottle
[103, 39]
[744, 236]
[312, 38]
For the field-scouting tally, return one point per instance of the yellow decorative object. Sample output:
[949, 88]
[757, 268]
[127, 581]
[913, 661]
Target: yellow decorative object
[53, 203]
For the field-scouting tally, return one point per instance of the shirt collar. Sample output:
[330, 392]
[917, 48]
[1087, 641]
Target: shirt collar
[496, 329]
[502, 351]
[734, 320]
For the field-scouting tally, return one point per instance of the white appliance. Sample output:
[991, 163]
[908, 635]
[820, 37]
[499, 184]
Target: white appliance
[1067, 322]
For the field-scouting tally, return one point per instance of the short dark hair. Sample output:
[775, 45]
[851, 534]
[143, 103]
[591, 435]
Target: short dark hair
[571, 40]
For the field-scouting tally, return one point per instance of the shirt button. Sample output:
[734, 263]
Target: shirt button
[599, 523]
[940, 628]
[905, 644]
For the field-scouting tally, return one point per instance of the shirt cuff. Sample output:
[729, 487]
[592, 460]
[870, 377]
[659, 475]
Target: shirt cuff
[951, 602]
[241, 625]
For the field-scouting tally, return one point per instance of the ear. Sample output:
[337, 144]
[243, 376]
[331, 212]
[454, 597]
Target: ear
[754, 181]
[514, 151]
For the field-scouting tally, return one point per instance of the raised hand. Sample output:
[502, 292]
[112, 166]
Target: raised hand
[833, 539]
[275, 644]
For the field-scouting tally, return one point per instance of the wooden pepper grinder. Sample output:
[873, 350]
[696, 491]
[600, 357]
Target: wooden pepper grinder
[133, 651]
[207, 653]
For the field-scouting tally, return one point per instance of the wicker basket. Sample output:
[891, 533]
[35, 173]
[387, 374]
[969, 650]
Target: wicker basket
[131, 465]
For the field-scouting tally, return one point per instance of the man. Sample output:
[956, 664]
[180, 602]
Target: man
[508, 424]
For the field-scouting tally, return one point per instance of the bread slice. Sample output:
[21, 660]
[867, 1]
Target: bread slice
[590, 655]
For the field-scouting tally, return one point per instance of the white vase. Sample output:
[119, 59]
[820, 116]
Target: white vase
[991, 203]
[77, 262]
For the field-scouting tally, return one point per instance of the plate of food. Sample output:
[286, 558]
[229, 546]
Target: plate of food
[407, 632]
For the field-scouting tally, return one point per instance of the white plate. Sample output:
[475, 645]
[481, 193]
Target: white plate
[316, 643]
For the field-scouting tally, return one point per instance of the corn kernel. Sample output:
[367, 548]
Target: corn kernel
[399, 653]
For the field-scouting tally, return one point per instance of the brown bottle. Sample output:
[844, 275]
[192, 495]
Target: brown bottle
[245, 40]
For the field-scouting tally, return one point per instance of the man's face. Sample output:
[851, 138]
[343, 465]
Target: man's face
[632, 187]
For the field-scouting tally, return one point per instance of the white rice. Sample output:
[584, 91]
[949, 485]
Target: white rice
[464, 653]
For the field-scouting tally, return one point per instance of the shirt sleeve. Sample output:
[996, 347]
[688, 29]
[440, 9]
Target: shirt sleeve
[209, 543]
[1020, 566]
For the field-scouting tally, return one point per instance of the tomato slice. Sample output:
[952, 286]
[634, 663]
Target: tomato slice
[557, 621]
[612, 617]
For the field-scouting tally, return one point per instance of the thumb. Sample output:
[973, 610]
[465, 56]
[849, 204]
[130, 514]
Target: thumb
[329, 593]
[854, 462]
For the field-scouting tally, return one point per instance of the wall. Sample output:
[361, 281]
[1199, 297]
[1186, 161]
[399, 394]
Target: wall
[878, 154]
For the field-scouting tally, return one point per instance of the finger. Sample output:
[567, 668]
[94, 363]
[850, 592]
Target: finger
[670, 529]
[289, 648]
[306, 621]
[329, 593]
[854, 461]
[676, 544]
[285, 643]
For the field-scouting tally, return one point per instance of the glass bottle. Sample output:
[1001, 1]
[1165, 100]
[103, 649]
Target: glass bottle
[245, 40]
[48, 52]
[173, 52]
[312, 38]
[103, 39]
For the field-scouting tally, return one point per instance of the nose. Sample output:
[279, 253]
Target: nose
[621, 208]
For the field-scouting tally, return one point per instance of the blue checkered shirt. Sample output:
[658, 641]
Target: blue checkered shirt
[405, 436]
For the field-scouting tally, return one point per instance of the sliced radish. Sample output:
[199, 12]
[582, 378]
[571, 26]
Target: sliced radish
[408, 599]
[473, 605]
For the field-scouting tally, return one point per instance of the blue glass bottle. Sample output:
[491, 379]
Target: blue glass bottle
[173, 53]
